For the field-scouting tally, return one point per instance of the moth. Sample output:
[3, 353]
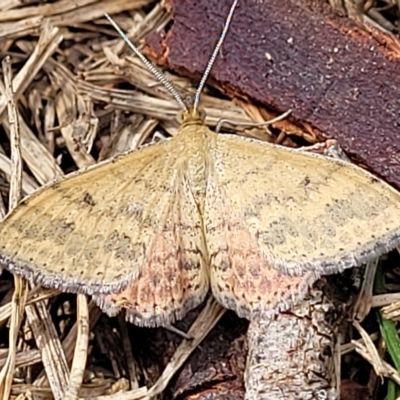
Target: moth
[155, 229]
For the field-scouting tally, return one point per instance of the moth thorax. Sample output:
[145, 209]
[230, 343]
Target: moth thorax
[196, 152]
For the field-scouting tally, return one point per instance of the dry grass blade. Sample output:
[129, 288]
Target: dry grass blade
[28, 184]
[81, 349]
[347, 348]
[385, 368]
[390, 301]
[38, 159]
[392, 308]
[28, 20]
[45, 10]
[53, 357]
[132, 365]
[76, 122]
[23, 359]
[3, 211]
[34, 295]
[15, 137]
[17, 312]
[71, 339]
[21, 286]
[369, 351]
[129, 137]
[363, 304]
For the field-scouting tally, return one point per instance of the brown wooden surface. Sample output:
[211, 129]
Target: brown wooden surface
[341, 80]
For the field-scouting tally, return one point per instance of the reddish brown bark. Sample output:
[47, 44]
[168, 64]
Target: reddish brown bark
[341, 81]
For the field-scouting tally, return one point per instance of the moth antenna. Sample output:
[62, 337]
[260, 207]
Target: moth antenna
[155, 71]
[214, 55]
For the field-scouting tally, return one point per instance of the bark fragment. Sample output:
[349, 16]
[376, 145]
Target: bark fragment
[291, 355]
[341, 80]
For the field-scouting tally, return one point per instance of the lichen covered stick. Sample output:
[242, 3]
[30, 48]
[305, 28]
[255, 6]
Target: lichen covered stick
[291, 353]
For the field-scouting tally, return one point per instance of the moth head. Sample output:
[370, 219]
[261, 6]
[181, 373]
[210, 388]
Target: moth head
[191, 116]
